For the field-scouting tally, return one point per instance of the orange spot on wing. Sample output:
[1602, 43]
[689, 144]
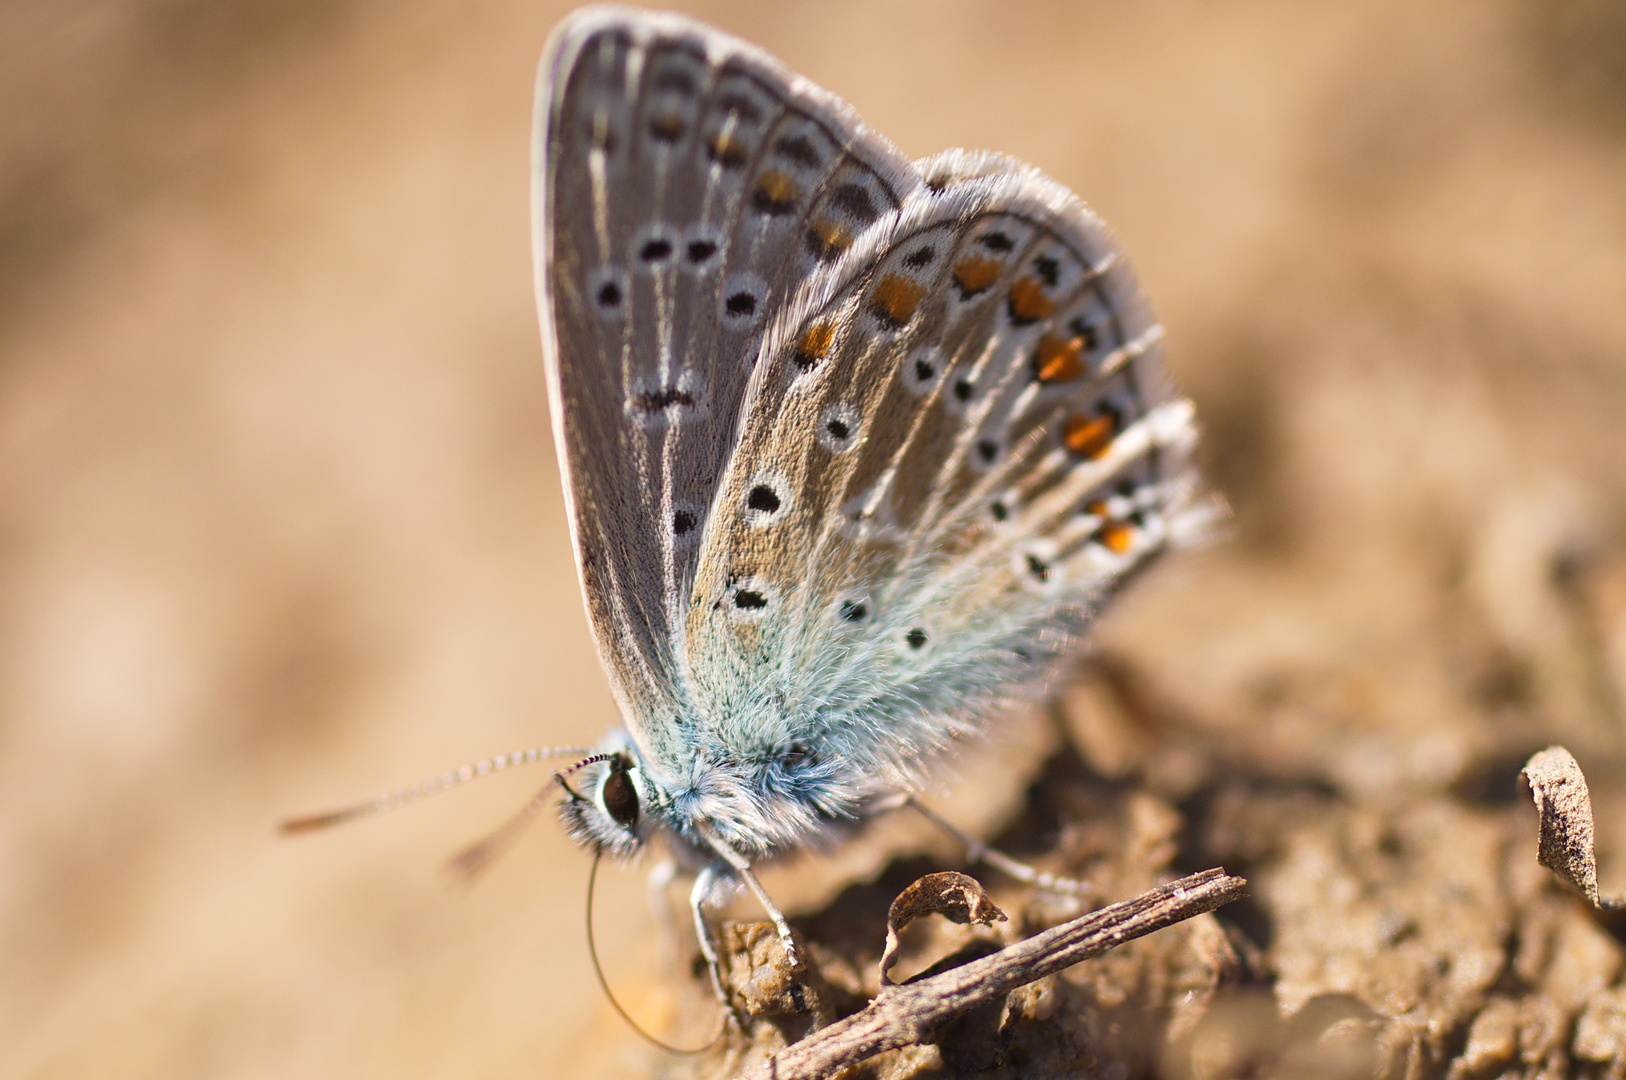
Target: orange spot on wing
[895, 299]
[974, 273]
[1059, 359]
[1029, 303]
[1117, 537]
[667, 127]
[1098, 508]
[1090, 436]
[727, 150]
[828, 238]
[814, 344]
[775, 193]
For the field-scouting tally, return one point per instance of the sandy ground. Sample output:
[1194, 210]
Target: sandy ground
[280, 522]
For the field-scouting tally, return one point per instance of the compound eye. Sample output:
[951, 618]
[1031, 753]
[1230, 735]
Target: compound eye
[619, 795]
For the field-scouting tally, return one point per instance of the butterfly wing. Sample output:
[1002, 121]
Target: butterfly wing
[683, 182]
[957, 441]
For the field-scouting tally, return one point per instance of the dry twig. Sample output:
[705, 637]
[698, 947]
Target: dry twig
[903, 1015]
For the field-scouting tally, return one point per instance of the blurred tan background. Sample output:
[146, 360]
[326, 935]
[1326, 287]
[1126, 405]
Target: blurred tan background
[280, 522]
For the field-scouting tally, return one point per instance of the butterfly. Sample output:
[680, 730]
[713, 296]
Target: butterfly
[853, 448]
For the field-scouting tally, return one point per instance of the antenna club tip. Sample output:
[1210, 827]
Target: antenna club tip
[296, 826]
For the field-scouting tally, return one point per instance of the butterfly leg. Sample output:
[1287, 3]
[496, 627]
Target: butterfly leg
[705, 885]
[742, 869]
[977, 851]
[660, 877]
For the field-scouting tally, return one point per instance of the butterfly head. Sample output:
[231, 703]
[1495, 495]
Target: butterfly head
[607, 801]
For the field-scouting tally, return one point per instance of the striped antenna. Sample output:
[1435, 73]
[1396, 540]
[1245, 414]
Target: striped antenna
[403, 796]
[559, 777]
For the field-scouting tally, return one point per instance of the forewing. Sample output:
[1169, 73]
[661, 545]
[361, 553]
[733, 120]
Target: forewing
[684, 184]
[957, 441]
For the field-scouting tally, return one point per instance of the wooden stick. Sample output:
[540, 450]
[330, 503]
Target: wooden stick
[911, 1013]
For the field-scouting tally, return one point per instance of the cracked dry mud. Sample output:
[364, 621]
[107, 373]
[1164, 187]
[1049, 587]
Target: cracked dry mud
[1407, 936]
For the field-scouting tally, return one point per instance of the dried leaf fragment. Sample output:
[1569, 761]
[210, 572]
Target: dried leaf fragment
[1567, 845]
[955, 896]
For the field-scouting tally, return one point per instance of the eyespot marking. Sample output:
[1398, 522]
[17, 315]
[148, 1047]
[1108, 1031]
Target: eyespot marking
[1048, 270]
[657, 400]
[838, 427]
[683, 522]
[894, 300]
[854, 611]
[1117, 537]
[922, 369]
[766, 501]
[974, 273]
[653, 245]
[1037, 566]
[988, 450]
[814, 345]
[775, 193]
[999, 511]
[916, 639]
[996, 241]
[828, 238]
[963, 389]
[854, 200]
[729, 151]
[667, 126]
[918, 257]
[698, 251]
[798, 148]
[679, 398]
[1091, 436]
[1028, 302]
[749, 599]
[608, 288]
[743, 296]
[1086, 332]
[1058, 360]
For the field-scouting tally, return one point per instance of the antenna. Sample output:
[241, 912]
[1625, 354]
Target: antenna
[403, 796]
[473, 860]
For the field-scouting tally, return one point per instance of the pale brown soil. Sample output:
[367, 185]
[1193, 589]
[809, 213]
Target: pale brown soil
[280, 524]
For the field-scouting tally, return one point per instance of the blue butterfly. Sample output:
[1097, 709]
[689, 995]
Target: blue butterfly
[854, 448]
